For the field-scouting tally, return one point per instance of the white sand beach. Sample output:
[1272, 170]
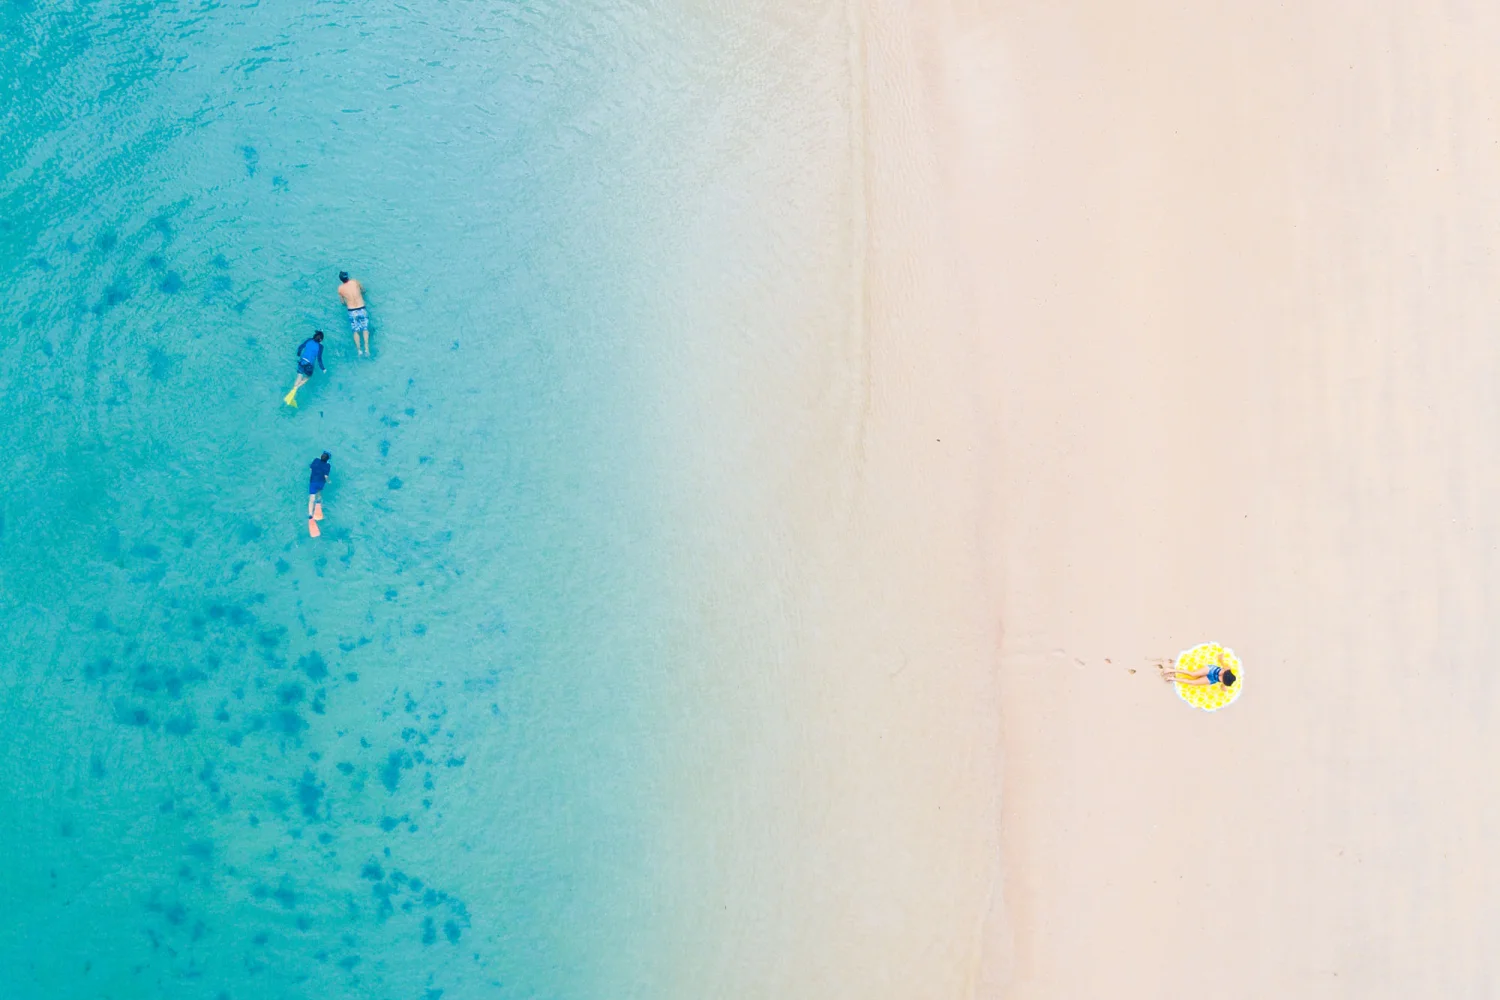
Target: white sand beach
[1241, 365]
[1154, 326]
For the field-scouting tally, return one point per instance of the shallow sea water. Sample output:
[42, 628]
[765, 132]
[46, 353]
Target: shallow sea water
[414, 757]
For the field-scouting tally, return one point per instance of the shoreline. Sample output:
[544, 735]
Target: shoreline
[835, 831]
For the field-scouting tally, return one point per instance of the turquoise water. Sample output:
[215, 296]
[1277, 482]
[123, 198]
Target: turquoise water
[413, 757]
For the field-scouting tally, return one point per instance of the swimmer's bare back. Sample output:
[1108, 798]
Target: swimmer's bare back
[352, 294]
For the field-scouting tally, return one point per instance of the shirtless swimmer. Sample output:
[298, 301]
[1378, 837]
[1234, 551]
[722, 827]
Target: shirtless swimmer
[352, 294]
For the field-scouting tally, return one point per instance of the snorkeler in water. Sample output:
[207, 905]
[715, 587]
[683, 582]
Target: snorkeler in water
[321, 468]
[309, 351]
[352, 294]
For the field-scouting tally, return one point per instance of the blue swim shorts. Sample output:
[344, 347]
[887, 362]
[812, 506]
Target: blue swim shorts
[305, 367]
[314, 486]
[359, 320]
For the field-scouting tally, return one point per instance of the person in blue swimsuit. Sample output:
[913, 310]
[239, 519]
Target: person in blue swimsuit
[308, 352]
[1218, 673]
[320, 469]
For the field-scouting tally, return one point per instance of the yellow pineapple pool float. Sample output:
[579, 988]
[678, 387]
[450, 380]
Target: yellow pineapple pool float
[1209, 697]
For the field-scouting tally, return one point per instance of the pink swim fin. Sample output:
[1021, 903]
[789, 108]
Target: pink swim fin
[312, 528]
[317, 512]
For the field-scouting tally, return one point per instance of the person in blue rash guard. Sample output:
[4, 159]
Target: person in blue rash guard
[308, 352]
[321, 468]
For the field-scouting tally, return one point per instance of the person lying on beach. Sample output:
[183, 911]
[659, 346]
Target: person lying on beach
[352, 294]
[1219, 673]
[308, 351]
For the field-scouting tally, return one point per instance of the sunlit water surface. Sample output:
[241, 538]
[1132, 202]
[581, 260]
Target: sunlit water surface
[418, 756]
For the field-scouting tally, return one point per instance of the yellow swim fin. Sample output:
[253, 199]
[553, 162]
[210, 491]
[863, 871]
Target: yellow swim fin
[291, 398]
